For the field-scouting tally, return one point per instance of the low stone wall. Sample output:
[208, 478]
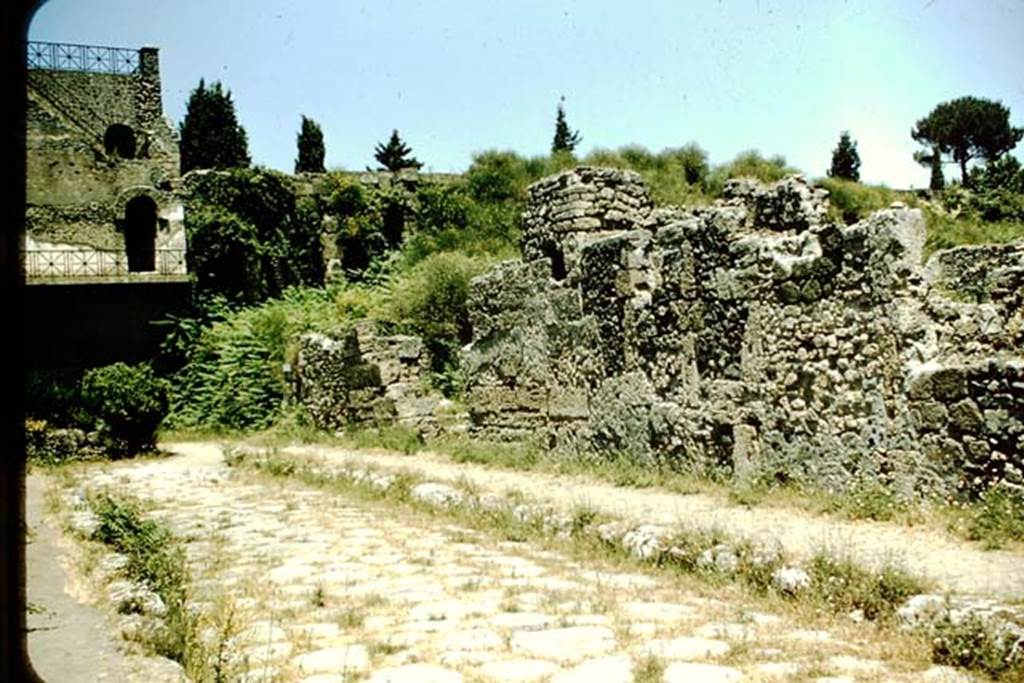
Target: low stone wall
[361, 378]
[753, 336]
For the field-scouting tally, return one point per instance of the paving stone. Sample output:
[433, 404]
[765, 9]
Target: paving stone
[810, 635]
[264, 631]
[449, 610]
[849, 664]
[642, 628]
[415, 673]
[658, 611]
[565, 644]
[354, 658]
[947, 674]
[318, 630]
[522, 621]
[618, 669]
[518, 670]
[783, 670]
[684, 648]
[688, 672]
[588, 620]
[729, 631]
[473, 639]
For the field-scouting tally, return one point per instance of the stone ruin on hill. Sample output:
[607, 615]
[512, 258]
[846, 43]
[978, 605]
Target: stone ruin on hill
[753, 336]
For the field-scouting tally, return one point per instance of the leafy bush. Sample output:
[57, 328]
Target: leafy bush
[946, 230]
[845, 586]
[749, 164]
[430, 301]
[972, 642]
[56, 396]
[499, 176]
[155, 559]
[998, 518]
[233, 377]
[248, 237]
[128, 402]
[674, 175]
[850, 201]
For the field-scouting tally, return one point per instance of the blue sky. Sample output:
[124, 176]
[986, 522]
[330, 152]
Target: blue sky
[459, 77]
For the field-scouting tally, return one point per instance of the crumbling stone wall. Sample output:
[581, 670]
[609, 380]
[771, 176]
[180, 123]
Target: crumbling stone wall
[753, 336]
[359, 377]
[77, 190]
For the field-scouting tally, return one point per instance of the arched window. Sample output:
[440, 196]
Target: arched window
[140, 234]
[119, 140]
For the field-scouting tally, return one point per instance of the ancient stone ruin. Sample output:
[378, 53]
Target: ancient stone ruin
[102, 163]
[753, 337]
[104, 229]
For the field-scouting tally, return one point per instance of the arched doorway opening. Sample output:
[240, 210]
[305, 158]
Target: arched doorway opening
[119, 140]
[140, 234]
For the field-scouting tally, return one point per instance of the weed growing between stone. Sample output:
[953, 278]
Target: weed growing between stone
[848, 588]
[837, 585]
[972, 643]
[153, 560]
[156, 560]
[997, 519]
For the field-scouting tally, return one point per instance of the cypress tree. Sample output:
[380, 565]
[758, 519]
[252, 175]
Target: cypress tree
[394, 156]
[310, 144]
[210, 134]
[845, 159]
[565, 139]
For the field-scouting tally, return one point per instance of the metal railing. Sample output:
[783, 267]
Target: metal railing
[88, 58]
[96, 263]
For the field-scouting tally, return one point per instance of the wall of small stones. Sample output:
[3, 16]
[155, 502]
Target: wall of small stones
[753, 337]
[76, 193]
[359, 377]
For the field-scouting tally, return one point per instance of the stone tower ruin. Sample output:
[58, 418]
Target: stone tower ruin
[104, 237]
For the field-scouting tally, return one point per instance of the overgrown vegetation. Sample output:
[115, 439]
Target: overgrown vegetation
[837, 584]
[110, 411]
[211, 136]
[155, 560]
[249, 237]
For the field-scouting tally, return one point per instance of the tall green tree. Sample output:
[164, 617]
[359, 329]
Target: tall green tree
[310, 143]
[394, 156]
[565, 139]
[967, 128]
[845, 159]
[211, 136]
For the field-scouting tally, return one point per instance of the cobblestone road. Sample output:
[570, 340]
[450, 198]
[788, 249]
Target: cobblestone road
[325, 589]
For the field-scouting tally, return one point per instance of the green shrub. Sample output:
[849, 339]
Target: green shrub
[850, 201]
[845, 586]
[749, 164]
[56, 396]
[946, 231]
[997, 518]
[499, 176]
[973, 643]
[248, 238]
[673, 176]
[155, 559]
[430, 300]
[233, 378]
[129, 402]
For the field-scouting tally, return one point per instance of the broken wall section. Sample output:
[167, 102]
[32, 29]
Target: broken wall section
[361, 378]
[752, 337]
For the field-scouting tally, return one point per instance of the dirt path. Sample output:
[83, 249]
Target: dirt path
[295, 583]
[954, 565]
[68, 641]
